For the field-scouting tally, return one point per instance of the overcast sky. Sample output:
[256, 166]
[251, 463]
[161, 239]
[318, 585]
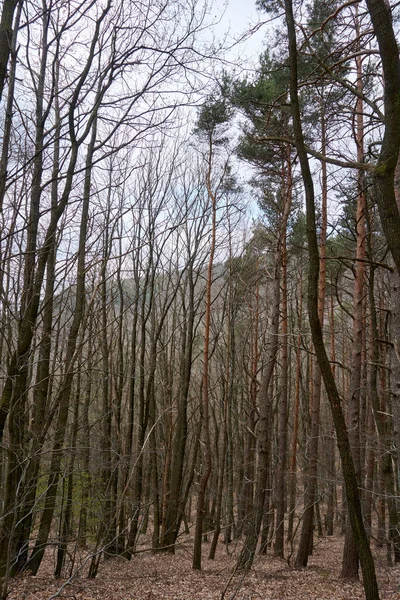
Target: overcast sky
[238, 17]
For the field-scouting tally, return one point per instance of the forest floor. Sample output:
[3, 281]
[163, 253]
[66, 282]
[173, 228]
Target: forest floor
[167, 577]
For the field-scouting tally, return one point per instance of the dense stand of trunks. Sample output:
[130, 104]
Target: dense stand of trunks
[166, 374]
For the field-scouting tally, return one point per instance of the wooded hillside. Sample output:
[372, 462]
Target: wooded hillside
[200, 287]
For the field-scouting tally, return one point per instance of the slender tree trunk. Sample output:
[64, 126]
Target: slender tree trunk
[293, 458]
[247, 554]
[63, 397]
[370, 469]
[383, 420]
[230, 525]
[41, 414]
[248, 479]
[350, 555]
[310, 495]
[9, 106]
[15, 390]
[206, 467]
[66, 514]
[6, 34]
[227, 396]
[331, 458]
[283, 394]
[86, 446]
[146, 289]
[175, 506]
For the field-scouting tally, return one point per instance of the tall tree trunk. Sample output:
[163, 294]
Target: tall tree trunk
[206, 467]
[284, 392]
[247, 554]
[350, 554]
[310, 495]
[35, 266]
[41, 414]
[384, 172]
[383, 420]
[227, 397]
[174, 506]
[6, 33]
[86, 437]
[349, 474]
[14, 394]
[293, 457]
[147, 290]
[63, 397]
[330, 450]
[230, 525]
[67, 513]
[119, 383]
[245, 509]
[9, 107]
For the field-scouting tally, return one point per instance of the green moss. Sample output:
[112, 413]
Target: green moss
[381, 170]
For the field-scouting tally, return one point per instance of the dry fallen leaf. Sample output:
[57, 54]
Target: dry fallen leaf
[167, 577]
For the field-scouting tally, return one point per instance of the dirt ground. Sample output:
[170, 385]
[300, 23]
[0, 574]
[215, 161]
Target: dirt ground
[163, 576]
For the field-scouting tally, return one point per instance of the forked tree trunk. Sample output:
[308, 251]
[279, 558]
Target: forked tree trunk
[15, 390]
[142, 410]
[41, 415]
[63, 397]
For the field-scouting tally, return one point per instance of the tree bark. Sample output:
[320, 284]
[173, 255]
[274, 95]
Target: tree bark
[9, 108]
[384, 172]
[63, 397]
[200, 510]
[350, 562]
[227, 397]
[174, 508]
[310, 495]
[293, 458]
[351, 486]
[284, 392]
[247, 554]
[6, 33]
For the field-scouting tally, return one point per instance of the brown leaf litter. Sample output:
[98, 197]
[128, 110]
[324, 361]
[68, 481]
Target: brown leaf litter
[171, 577]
